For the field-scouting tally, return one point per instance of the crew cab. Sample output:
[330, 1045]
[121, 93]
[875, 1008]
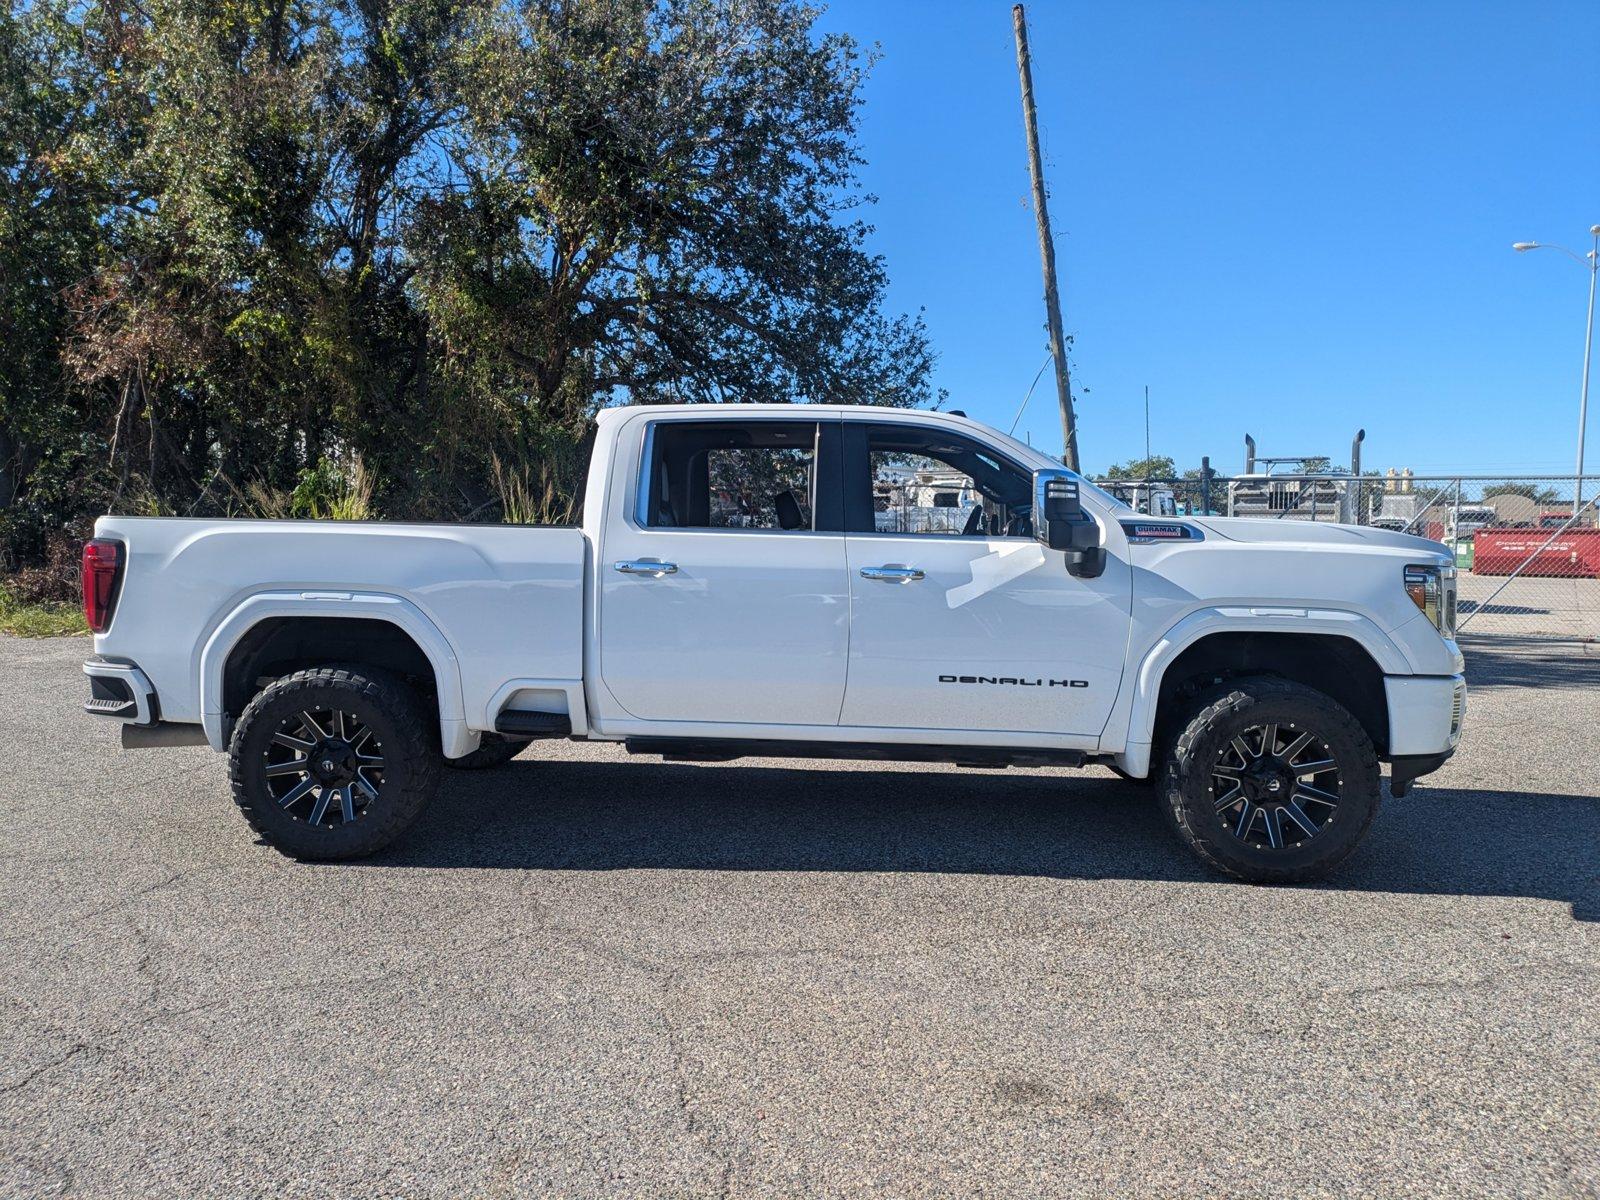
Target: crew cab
[773, 580]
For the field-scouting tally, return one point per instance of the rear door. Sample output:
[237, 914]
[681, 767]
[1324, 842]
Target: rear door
[723, 595]
[960, 619]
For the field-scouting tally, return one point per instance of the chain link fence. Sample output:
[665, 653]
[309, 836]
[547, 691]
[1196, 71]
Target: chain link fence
[1527, 547]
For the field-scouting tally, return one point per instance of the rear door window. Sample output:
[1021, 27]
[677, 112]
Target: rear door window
[732, 475]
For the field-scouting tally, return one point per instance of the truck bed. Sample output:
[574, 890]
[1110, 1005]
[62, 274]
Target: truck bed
[507, 600]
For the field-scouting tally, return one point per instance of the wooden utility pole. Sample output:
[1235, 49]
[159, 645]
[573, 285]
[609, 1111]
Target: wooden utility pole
[1047, 249]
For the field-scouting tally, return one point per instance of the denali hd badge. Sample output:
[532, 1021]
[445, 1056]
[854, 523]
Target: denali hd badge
[1006, 679]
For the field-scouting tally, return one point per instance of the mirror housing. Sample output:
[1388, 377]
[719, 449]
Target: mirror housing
[1060, 523]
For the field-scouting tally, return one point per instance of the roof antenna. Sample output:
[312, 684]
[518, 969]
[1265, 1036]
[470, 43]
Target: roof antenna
[1147, 430]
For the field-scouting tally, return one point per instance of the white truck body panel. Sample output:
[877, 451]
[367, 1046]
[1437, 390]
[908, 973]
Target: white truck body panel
[989, 607]
[484, 596]
[762, 614]
[775, 634]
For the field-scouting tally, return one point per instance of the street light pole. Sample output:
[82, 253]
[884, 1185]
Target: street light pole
[1588, 354]
[1591, 261]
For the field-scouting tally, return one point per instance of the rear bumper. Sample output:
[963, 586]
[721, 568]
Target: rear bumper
[120, 690]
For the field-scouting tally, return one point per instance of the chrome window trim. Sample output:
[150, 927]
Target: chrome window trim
[641, 510]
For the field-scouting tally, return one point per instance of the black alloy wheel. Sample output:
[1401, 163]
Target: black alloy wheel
[1275, 785]
[334, 762]
[324, 765]
[1269, 780]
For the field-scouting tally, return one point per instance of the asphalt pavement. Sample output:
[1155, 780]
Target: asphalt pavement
[586, 974]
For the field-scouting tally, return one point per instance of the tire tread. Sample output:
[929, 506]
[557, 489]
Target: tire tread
[401, 704]
[1232, 698]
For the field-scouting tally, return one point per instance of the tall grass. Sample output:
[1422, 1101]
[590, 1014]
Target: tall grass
[533, 495]
[49, 618]
[329, 491]
[353, 502]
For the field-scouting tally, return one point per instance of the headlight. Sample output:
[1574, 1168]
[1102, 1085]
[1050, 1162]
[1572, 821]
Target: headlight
[1433, 590]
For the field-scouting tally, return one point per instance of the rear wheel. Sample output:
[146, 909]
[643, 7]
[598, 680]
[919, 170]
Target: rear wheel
[334, 762]
[494, 750]
[1271, 781]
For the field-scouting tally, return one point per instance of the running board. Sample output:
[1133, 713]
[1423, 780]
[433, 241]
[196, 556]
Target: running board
[728, 749]
[515, 723]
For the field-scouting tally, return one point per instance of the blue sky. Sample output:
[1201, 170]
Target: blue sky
[1288, 219]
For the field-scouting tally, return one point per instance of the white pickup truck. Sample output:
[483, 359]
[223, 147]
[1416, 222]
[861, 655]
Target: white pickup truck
[774, 580]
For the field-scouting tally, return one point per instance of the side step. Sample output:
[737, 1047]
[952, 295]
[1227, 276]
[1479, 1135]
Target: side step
[728, 749]
[513, 723]
[97, 706]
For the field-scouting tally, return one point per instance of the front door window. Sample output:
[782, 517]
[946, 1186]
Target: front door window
[927, 481]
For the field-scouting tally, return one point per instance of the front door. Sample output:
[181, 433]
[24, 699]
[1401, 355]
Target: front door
[723, 596]
[959, 619]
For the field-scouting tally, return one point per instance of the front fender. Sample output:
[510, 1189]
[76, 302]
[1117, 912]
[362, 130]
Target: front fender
[1135, 713]
[454, 735]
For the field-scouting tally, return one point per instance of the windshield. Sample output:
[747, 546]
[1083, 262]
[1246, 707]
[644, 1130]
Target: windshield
[1036, 459]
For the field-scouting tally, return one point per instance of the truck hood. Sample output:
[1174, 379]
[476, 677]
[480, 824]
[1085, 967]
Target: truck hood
[1308, 533]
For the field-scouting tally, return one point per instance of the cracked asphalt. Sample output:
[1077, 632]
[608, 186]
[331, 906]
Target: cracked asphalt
[590, 975]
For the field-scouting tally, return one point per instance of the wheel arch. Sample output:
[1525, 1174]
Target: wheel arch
[280, 632]
[1343, 655]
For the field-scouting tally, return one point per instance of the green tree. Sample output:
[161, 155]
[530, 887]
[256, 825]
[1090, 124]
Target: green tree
[394, 253]
[51, 201]
[660, 201]
[1539, 495]
[1159, 466]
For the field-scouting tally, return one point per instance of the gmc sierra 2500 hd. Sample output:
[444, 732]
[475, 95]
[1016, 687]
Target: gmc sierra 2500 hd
[797, 581]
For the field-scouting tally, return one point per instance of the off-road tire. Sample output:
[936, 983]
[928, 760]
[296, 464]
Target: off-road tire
[495, 750]
[1237, 705]
[397, 715]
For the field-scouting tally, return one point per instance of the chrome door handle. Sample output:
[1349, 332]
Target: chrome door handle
[892, 574]
[652, 567]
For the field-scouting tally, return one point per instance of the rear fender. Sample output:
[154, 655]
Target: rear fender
[454, 736]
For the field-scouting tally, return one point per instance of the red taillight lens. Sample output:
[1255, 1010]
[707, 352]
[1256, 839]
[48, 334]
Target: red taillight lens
[101, 561]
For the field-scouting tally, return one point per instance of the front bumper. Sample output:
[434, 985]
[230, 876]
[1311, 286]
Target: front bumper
[120, 690]
[1426, 714]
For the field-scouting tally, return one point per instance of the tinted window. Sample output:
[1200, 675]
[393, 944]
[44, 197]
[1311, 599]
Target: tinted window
[757, 475]
[929, 481]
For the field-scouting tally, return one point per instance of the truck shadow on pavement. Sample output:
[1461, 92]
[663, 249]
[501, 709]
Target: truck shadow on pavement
[643, 814]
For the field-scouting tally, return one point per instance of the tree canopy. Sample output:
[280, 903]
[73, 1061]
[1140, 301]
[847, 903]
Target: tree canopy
[389, 256]
[1540, 495]
[1157, 466]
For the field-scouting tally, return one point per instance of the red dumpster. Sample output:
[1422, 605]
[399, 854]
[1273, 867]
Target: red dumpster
[1574, 554]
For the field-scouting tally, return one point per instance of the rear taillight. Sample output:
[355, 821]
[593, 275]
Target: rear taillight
[102, 562]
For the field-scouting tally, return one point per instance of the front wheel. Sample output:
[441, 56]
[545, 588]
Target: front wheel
[1271, 781]
[334, 762]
